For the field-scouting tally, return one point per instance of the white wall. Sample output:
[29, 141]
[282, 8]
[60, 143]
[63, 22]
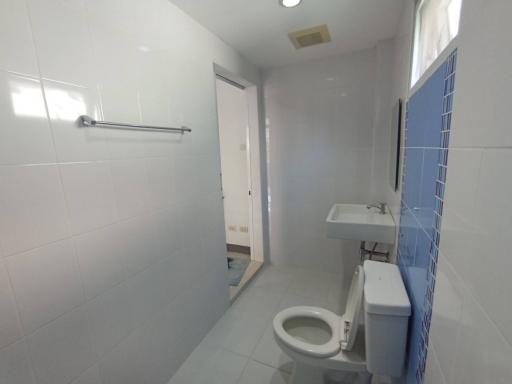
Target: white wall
[320, 130]
[382, 120]
[112, 246]
[393, 73]
[471, 333]
[233, 124]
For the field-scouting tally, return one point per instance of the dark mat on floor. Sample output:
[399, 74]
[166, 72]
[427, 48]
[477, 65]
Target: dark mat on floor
[236, 270]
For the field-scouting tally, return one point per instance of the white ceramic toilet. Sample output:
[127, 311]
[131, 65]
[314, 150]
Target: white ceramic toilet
[328, 348]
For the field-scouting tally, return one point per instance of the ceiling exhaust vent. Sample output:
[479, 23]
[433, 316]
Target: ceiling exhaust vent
[311, 36]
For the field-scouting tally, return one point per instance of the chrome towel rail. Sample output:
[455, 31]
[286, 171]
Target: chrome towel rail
[87, 121]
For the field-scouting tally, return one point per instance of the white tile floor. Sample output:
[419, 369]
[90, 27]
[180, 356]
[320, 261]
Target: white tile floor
[240, 349]
[252, 269]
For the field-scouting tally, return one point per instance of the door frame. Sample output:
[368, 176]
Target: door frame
[254, 148]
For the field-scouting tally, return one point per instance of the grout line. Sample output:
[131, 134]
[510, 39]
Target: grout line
[469, 292]
[38, 65]
[72, 236]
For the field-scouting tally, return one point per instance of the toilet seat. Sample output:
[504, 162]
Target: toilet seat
[343, 329]
[327, 356]
[327, 349]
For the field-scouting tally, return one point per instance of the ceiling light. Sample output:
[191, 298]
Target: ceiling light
[289, 3]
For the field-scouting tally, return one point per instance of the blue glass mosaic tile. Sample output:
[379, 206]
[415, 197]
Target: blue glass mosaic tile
[427, 138]
[412, 176]
[425, 109]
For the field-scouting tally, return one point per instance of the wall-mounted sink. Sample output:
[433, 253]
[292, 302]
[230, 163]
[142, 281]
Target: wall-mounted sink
[357, 222]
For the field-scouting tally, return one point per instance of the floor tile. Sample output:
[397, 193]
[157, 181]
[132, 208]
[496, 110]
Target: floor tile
[237, 332]
[249, 274]
[315, 285]
[290, 300]
[258, 302]
[274, 278]
[268, 352]
[245, 331]
[256, 373]
[207, 365]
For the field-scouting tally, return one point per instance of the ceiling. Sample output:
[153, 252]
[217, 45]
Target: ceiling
[259, 29]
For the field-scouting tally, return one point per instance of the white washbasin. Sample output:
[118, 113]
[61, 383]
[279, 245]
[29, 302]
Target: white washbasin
[357, 222]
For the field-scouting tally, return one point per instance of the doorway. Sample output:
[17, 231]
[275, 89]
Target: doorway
[244, 253]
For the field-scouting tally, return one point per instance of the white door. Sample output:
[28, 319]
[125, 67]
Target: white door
[234, 153]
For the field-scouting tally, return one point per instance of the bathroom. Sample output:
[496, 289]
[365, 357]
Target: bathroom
[377, 145]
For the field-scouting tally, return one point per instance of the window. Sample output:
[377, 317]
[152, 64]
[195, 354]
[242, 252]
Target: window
[437, 23]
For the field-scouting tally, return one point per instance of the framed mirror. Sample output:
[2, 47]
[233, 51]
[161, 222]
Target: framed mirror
[396, 137]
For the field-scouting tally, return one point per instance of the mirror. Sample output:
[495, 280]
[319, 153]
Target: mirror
[396, 131]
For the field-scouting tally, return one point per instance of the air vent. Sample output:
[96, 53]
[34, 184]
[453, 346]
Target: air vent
[311, 36]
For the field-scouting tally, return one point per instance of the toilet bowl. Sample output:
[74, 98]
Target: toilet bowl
[327, 347]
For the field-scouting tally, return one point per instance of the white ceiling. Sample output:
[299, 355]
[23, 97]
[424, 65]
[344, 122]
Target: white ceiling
[259, 29]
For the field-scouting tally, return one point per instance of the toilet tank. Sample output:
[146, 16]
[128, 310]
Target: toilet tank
[386, 313]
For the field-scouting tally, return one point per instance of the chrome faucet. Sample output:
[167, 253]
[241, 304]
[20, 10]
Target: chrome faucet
[381, 207]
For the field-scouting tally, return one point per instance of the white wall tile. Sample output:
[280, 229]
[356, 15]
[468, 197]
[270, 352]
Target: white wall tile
[117, 74]
[46, 283]
[154, 355]
[185, 180]
[155, 99]
[62, 350]
[10, 329]
[446, 315]
[25, 136]
[32, 207]
[177, 319]
[127, 144]
[459, 220]
[17, 51]
[161, 182]
[73, 142]
[132, 237]
[146, 294]
[319, 117]
[62, 40]
[108, 59]
[130, 187]
[101, 260]
[14, 365]
[461, 192]
[399, 90]
[480, 49]
[110, 318]
[433, 373]
[89, 194]
[482, 355]
[486, 268]
[173, 276]
[120, 366]
[164, 232]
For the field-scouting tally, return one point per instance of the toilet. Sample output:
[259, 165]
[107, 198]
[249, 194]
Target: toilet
[329, 348]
